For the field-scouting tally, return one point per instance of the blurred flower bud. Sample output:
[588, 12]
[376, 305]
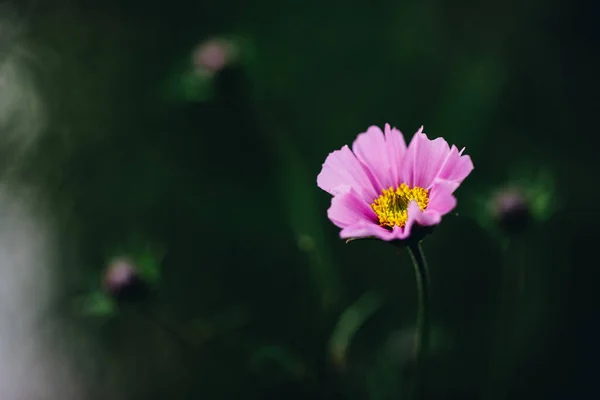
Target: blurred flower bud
[511, 209]
[213, 55]
[526, 198]
[122, 281]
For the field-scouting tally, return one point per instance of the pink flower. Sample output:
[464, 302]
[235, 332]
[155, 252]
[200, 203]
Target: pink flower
[213, 55]
[122, 280]
[511, 208]
[381, 187]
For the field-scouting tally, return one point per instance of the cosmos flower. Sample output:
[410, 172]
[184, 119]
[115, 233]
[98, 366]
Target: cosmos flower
[384, 189]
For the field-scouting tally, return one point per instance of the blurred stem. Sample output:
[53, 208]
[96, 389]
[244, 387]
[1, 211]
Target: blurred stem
[187, 348]
[422, 333]
[189, 353]
[349, 323]
[502, 330]
[298, 185]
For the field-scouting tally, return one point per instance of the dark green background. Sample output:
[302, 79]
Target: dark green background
[253, 271]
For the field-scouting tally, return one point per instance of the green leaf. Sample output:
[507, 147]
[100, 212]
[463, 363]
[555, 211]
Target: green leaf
[280, 356]
[349, 323]
[148, 267]
[96, 304]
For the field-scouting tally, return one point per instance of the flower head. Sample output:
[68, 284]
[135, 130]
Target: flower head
[122, 281]
[526, 198]
[213, 55]
[511, 209]
[383, 188]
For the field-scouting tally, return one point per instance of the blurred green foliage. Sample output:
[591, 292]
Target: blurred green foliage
[221, 171]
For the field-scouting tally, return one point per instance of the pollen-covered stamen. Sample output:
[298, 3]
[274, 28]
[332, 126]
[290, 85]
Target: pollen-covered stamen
[391, 206]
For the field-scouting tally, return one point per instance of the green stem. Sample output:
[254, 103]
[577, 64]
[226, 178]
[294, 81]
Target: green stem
[422, 332]
[173, 333]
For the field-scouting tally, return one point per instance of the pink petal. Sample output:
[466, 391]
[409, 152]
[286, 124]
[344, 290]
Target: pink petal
[349, 208]
[415, 215]
[456, 167]
[342, 170]
[423, 218]
[396, 147]
[381, 154]
[441, 199]
[425, 159]
[409, 164]
[366, 228]
[369, 229]
[370, 148]
[356, 218]
[441, 202]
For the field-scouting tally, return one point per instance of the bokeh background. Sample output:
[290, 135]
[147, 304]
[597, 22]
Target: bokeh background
[187, 137]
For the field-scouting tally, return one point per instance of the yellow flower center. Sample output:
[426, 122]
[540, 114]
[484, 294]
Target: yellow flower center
[391, 206]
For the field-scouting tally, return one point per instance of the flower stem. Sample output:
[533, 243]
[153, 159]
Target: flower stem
[422, 332]
[187, 347]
